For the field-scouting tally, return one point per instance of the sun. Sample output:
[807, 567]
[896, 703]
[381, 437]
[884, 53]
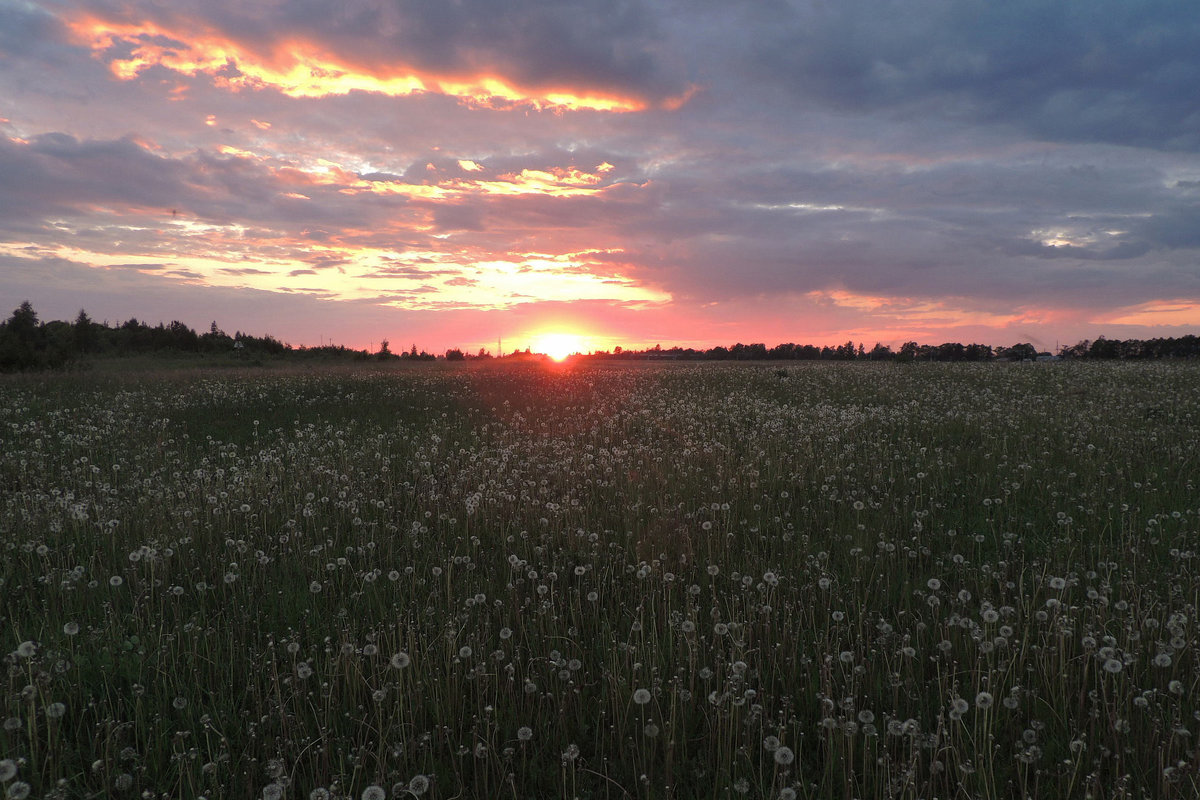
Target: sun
[558, 345]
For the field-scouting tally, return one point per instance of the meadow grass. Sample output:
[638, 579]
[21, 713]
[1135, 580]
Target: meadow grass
[676, 581]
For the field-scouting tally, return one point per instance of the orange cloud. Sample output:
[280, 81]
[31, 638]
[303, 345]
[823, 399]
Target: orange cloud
[301, 68]
[1157, 312]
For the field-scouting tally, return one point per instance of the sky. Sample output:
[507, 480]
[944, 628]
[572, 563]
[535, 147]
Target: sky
[627, 172]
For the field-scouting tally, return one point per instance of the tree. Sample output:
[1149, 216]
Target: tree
[23, 324]
[951, 351]
[880, 352]
[84, 333]
[22, 340]
[1021, 351]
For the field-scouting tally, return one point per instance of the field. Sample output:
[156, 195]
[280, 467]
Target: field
[675, 581]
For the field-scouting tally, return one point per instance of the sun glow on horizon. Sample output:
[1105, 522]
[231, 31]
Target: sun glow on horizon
[558, 345]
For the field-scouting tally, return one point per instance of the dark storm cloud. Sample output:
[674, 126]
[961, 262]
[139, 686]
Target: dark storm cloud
[604, 46]
[1065, 70]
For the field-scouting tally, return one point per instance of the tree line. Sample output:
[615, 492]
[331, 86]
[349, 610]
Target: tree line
[26, 344]
[1182, 347]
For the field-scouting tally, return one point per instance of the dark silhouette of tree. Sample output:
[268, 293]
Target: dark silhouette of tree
[880, 352]
[22, 341]
[86, 337]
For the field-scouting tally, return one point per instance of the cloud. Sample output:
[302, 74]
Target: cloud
[1074, 70]
[580, 54]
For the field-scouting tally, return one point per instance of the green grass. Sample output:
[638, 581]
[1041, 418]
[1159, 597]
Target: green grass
[212, 571]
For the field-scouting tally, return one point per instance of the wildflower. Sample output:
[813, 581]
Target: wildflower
[18, 790]
[71, 628]
[400, 660]
[272, 791]
[418, 785]
[1113, 666]
[984, 700]
[26, 649]
[784, 756]
[8, 770]
[374, 792]
[55, 710]
[524, 733]
[641, 697]
[571, 753]
[771, 744]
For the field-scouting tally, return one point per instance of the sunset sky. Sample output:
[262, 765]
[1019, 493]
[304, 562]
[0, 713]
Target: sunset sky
[447, 172]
